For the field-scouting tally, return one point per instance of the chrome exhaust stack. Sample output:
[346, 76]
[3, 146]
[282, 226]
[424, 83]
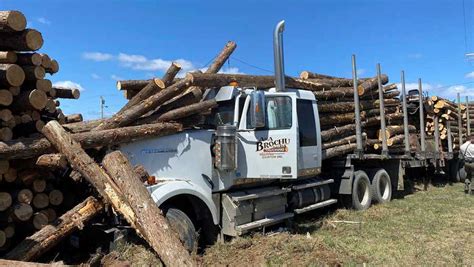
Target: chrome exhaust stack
[278, 56]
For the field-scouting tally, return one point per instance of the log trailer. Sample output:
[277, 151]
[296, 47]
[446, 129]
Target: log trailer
[259, 161]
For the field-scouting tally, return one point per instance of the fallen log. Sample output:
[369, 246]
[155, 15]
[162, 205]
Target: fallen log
[153, 87]
[371, 84]
[49, 236]
[150, 220]
[121, 201]
[54, 161]
[31, 147]
[67, 93]
[74, 118]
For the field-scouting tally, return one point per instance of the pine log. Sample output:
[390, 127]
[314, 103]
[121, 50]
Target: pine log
[51, 214]
[153, 87]
[338, 151]
[5, 200]
[12, 21]
[22, 212]
[49, 236]
[33, 73]
[376, 111]
[83, 126]
[335, 93]
[171, 73]
[25, 196]
[6, 134]
[39, 185]
[11, 74]
[53, 67]
[179, 113]
[28, 100]
[5, 115]
[9, 231]
[6, 97]
[74, 118]
[8, 57]
[343, 141]
[169, 247]
[141, 172]
[311, 75]
[4, 166]
[54, 161]
[40, 220]
[130, 115]
[14, 90]
[45, 60]
[151, 223]
[31, 147]
[372, 84]
[344, 107]
[222, 57]
[393, 130]
[132, 85]
[207, 80]
[27, 40]
[338, 119]
[67, 93]
[56, 197]
[33, 59]
[44, 85]
[191, 96]
[31, 127]
[40, 201]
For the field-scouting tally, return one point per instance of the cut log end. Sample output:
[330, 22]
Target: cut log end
[14, 75]
[5, 200]
[14, 20]
[22, 212]
[34, 39]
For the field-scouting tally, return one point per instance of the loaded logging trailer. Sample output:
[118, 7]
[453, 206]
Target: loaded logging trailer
[264, 155]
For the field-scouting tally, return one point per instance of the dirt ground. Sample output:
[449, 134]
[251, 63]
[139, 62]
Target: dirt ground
[424, 228]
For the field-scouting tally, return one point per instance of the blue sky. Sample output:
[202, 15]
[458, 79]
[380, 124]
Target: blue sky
[98, 42]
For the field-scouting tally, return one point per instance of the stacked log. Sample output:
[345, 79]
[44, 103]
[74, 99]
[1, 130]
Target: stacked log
[27, 97]
[446, 111]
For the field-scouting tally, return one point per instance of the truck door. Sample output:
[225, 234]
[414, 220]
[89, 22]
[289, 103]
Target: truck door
[270, 151]
[309, 148]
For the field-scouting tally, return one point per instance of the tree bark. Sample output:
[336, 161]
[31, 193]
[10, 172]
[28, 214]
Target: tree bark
[74, 118]
[207, 80]
[311, 75]
[27, 40]
[372, 84]
[49, 236]
[54, 161]
[153, 87]
[30, 100]
[393, 130]
[191, 96]
[171, 73]
[31, 147]
[222, 57]
[33, 73]
[12, 21]
[11, 74]
[141, 172]
[343, 141]
[67, 93]
[150, 222]
[133, 113]
[335, 93]
[343, 107]
[179, 113]
[33, 59]
[44, 85]
[338, 119]
[123, 203]
[8, 57]
[338, 151]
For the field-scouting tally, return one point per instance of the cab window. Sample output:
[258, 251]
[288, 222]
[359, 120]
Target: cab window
[306, 122]
[278, 113]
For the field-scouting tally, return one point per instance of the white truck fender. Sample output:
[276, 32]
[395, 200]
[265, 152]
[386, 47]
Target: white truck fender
[170, 188]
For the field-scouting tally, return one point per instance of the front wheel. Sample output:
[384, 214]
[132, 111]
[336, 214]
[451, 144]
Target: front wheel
[184, 227]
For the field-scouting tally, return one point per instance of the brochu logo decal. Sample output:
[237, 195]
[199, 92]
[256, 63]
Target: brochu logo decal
[273, 146]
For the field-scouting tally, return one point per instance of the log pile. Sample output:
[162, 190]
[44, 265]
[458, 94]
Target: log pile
[446, 111]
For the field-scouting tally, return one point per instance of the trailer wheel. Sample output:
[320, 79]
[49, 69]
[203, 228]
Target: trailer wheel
[184, 227]
[381, 187]
[361, 197]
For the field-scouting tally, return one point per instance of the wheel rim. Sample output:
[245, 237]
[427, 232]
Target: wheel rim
[363, 193]
[384, 187]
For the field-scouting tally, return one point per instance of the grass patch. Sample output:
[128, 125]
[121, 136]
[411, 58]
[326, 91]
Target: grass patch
[428, 227]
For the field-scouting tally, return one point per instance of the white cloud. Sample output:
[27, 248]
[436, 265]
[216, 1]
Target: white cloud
[115, 77]
[97, 56]
[469, 75]
[43, 20]
[424, 86]
[95, 76]
[231, 70]
[462, 89]
[69, 85]
[415, 55]
[140, 62]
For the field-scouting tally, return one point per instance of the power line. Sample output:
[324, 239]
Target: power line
[251, 65]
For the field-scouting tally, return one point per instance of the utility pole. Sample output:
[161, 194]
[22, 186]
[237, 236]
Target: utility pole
[102, 105]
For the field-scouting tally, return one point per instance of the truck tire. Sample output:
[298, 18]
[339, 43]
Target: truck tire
[381, 187]
[184, 227]
[361, 197]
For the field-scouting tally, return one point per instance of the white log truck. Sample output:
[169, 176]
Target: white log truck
[259, 162]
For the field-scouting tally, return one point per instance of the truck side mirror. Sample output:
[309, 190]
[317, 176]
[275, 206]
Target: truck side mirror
[257, 109]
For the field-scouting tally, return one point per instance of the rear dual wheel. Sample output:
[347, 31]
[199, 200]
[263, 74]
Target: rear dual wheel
[381, 186]
[360, 197]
